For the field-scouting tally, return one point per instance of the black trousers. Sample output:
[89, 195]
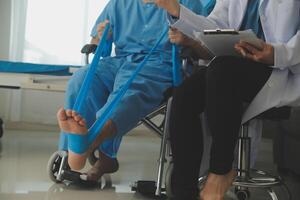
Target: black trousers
[220, 90]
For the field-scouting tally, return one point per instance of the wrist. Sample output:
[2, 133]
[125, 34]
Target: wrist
[176, 11]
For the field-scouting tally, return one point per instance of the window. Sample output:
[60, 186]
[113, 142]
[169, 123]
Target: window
[56, 30]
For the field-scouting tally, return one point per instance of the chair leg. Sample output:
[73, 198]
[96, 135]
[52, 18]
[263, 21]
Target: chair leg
[154, 188]
[244, 147]
[272, 194]
[248, 178]
[162, 157]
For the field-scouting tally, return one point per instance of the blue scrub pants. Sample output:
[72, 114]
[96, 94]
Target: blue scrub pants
[144, 95]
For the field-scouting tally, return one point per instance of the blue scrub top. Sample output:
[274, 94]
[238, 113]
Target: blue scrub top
[208, 6]
[252, 19]
[136, 26]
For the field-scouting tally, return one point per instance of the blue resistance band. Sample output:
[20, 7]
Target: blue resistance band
[177, 69]
[78, 106]
[80, 143]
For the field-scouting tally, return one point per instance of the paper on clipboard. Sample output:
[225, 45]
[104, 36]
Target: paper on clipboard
[222, 43]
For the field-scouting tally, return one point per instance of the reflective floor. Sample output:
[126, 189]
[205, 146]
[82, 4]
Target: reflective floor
[24, 156]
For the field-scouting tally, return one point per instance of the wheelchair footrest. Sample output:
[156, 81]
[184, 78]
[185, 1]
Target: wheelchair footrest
[74, 177]
[147, 188]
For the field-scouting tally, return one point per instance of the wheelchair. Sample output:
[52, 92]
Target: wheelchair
[58, 169]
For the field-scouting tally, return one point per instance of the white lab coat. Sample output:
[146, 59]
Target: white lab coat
[281, 25]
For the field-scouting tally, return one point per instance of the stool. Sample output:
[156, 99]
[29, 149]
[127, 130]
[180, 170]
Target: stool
[249, 178]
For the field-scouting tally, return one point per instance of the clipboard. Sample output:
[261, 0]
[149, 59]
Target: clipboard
[220, 42]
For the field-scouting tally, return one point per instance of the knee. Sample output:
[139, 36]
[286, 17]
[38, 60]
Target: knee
[76, 80]
[223, 68]
[222, 64]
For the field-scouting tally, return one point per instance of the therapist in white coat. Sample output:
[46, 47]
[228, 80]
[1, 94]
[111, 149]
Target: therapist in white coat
[266, 78]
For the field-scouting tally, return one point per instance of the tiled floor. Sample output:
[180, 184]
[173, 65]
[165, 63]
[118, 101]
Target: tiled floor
[24, 156]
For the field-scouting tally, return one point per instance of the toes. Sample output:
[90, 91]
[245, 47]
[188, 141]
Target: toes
[61, 115]
[69, 113]
[77, 117]
[75, 114]
[82, 122]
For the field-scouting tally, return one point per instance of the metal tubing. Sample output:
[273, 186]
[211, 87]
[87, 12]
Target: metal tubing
[162, 158]
[272, 194]
[149, 124]
[61, 168]
[244, 147]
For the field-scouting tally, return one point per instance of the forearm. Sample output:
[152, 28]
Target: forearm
[197, 50]
[201, 52]
[188, 22]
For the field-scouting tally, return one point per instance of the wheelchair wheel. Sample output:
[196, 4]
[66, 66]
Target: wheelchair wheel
[168, 180]
[54, 165]
[242, 194]
[93, 157]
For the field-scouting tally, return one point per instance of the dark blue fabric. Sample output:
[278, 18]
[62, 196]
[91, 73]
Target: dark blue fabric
[208, 6]
[30, 68]
[252, 19]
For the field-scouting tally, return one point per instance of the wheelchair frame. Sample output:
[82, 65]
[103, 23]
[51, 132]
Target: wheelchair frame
[160, 130]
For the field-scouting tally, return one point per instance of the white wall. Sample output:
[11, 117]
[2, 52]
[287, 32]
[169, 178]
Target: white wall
[26, 105]
[5, 8]
[29, 105]
[23, 105]
[34, 106]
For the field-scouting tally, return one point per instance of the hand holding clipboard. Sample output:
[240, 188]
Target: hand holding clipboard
[221, 42]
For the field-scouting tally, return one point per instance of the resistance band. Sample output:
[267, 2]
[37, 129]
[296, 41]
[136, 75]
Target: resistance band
[91, 73]
[177, 73]
[80, 143]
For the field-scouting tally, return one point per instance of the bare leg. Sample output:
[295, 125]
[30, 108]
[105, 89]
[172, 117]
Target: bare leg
[216, 186]
[70, 122]
[105, 165]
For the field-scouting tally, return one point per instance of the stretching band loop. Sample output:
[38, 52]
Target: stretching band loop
[78, 143]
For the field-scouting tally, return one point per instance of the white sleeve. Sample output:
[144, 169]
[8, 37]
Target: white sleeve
[189, 22]
[287, 54]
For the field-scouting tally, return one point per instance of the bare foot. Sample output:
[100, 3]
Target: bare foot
[105, 165]
[70, 122]
[216, 186]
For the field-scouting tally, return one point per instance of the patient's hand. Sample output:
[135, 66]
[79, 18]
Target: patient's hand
[179, 38]
[263, 55]
[101, 28]
[172, 6]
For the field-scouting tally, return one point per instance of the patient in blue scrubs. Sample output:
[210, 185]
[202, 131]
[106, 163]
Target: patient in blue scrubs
[135, 27]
